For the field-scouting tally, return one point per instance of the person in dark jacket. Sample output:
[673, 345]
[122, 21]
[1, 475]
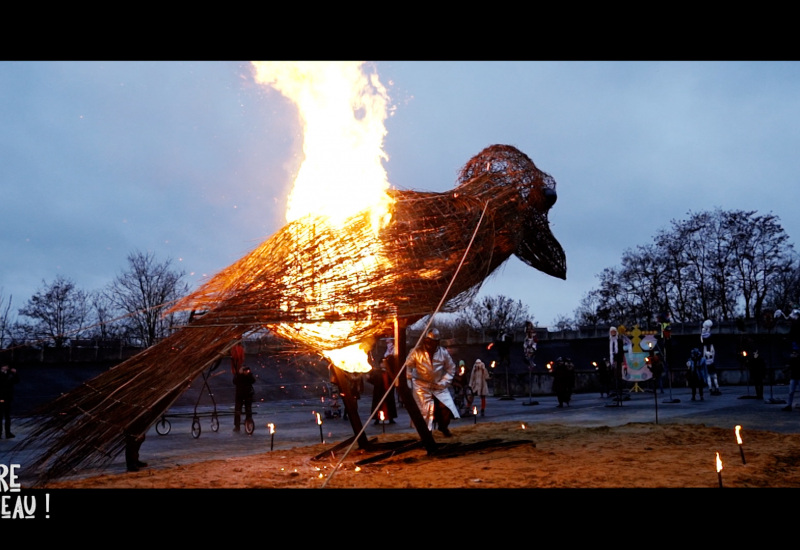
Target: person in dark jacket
[243, 381]
[758, 370]
[696, 373]
[604, 377]
[563, 380]
[8, 379]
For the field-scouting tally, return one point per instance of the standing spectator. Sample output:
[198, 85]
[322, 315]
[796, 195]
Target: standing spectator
[563, 380]
[604, 377]
[657, 368]
[616, 359]
[696, 373]
[430, 371]
[8, 379]
[758, 370]
[243, 381]
[709, 354]
[479, 383]
[237, 357]
[381, 381]
[794, 375]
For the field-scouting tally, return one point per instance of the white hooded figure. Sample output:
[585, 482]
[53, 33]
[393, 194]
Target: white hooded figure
[709, 353]
[430, 371]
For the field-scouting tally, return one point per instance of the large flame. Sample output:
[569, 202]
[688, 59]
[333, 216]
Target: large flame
[342, 111]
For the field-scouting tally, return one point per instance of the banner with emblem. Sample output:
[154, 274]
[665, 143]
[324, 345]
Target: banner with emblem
[636, 367]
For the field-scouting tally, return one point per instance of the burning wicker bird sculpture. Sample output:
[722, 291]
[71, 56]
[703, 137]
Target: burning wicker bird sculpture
[310, 276]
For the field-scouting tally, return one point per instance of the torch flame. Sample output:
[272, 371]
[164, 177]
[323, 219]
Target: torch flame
[719, 463]
[342, 111]
[381, 415]
[738, 437]
[271, 428]
[319, 418]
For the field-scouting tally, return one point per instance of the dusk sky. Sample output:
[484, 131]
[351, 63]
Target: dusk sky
[194, 161]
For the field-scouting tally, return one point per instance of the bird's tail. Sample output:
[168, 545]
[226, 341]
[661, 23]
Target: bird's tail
[87, 426]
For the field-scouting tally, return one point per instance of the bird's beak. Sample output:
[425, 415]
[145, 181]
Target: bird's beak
[540, 249]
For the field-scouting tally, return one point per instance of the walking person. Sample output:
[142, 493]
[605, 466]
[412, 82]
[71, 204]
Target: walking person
[696, 373]
[430, 371]
[479, 383]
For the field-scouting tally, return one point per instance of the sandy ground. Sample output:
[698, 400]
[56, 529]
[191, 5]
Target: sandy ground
[503, 455]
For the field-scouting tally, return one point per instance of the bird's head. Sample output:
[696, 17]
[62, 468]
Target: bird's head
[507, 175]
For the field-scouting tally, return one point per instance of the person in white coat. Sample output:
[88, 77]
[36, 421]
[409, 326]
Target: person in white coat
[478, 382]
[709, 354]
[430, 371]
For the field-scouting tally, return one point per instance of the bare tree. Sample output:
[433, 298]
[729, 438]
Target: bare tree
[5, 320]
[761, 258]
[105, 313]
[712, 265]
[145, 292]
[784, 294]
[495, 314]
[59, 312]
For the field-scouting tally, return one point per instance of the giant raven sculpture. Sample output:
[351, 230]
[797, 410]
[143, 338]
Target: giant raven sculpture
[356, 276]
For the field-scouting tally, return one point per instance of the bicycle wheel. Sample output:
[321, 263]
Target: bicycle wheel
[163, 426]
[196, 428]
[249, 426]
[214, 422]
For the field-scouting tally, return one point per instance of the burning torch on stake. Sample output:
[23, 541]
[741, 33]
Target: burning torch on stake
[739, 441]
[271, 435]
[319, 422]
[719, 470]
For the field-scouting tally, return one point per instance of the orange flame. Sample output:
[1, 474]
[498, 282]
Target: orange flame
[738, 437]
[342, 111]
[381, 415]
[271, 428]
[719, 463]
[319, 418]
[475, 410]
